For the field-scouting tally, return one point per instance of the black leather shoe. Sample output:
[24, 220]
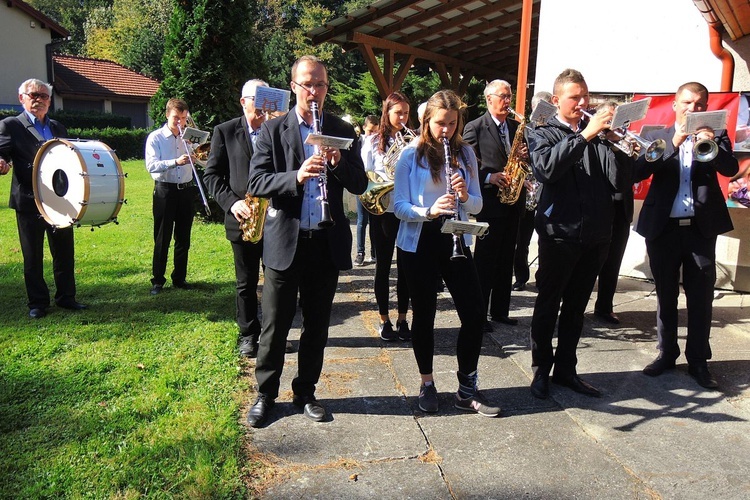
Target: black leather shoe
[258, 413]
[701, 375]
[156, 289]
[659, 366]
[72, 305]
[311, 407]
[540, 385]
[182, 284]
[577, 384]
[607, 317]
[37, 312]
[519, 287]
[505, 320]
[248, 346]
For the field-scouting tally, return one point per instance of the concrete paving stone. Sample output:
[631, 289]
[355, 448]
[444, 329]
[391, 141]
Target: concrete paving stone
[394, 479]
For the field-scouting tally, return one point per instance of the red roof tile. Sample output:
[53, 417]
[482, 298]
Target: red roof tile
[80, 76]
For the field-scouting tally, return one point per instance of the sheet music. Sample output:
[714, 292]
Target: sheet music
[712, 119]
[328, 140]
[630, 112]
[463, 227]
[194, 136]
[651, 128]
[272, 100]
[542, 112]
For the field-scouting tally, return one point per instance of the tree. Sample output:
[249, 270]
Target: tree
[210, 52]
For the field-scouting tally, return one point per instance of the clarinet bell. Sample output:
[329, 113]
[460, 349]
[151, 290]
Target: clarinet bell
[325, 217]
[458, 248]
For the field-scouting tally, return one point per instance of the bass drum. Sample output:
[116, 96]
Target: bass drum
[78, 182]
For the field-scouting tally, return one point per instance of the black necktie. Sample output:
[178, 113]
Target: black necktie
[501, 133]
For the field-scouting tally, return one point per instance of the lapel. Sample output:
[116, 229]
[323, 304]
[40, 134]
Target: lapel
[290, 134]
[243, 137]
[492, 132]
[23, 118]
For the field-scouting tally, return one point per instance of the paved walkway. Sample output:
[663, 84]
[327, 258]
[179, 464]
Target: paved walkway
[662, 437]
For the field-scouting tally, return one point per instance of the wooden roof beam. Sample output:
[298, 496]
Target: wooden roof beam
[357, 22]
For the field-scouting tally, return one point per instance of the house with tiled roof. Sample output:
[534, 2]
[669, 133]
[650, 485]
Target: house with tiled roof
[27, 39]
[84, 84]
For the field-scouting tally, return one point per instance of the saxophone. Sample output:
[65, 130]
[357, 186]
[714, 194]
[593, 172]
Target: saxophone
[517, 168]
[252, 227]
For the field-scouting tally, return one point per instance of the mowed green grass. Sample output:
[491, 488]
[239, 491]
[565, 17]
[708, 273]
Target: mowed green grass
[138, 396]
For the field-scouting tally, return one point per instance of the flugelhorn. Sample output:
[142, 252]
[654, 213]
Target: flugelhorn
[705, 150]
[653, 150]
[325, 210]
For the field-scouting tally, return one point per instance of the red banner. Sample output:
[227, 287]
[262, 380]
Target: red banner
[660, 112]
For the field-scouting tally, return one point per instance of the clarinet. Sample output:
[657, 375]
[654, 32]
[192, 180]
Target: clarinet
[325, 210]
[458, 241]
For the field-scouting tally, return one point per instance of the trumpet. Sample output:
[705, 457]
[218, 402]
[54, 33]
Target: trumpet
[705, 150]
[653, 150]
[325, 210]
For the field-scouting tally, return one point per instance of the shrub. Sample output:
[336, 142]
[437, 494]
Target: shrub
[81, 119]
[129, 144]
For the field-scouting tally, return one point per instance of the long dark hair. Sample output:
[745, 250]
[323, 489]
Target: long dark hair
[432, 148]
[385, 123]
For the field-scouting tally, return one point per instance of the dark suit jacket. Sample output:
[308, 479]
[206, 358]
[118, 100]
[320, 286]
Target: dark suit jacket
[227, 169]
[279, 153]
[19, 145]
[711, 213]
[482, 135]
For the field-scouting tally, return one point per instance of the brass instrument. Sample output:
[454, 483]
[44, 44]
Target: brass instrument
[517, 167]
[190, 153]
[705, 150]
[376, 197]
[252, 227]
[325, 210]
[653, 150]
[201, 154]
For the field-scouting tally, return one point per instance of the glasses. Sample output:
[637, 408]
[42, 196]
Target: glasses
[505, 97]
[37, 95]
[313, 87]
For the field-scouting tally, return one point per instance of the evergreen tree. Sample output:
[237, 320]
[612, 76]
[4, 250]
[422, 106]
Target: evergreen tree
[210, 52]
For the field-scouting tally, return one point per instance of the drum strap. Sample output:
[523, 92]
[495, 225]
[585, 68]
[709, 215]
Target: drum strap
[31, 128]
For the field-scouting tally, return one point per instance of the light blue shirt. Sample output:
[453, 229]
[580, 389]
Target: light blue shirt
[311, 210]
[412, 197]
[683, 202]
[41, 126]
[163, 148]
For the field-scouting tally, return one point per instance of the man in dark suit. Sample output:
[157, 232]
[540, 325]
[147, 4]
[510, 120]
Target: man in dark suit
[492, 136]
[20, 138]
[683, 213]
[301, 256]
[226, 178]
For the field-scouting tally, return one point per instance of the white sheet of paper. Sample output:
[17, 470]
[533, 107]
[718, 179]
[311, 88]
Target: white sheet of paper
[195, 136]
[328, 140]
[712, 119]
[542, 112]
[272, 100]
[630, 112]
[463, 227]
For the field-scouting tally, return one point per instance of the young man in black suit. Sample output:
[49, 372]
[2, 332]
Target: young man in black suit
[226, 175]
[301, 256]
[492, 136]
[683, 213]
[20, 138]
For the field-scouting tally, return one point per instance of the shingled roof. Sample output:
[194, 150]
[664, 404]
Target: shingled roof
[80, 76]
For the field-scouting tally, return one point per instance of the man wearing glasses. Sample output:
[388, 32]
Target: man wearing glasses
[20, 138]
[492, 135]
[300, 256]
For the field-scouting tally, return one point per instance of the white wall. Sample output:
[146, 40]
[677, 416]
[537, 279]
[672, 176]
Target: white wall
[624, 47]
[22, 52]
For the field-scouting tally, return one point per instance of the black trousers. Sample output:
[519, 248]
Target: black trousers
[610, 272]
[383, 231]
[567, 272]
[315, 277]
[684, 247]
[422, 268]
[494, 260]
[521, 257]
[246, 270]
[31, 230]
[173, 213]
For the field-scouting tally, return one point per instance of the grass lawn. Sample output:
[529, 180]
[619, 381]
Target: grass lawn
[137, 396]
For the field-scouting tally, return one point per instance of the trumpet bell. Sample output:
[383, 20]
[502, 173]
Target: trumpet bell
[377, 196]
[655, 149]
[705, 150]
